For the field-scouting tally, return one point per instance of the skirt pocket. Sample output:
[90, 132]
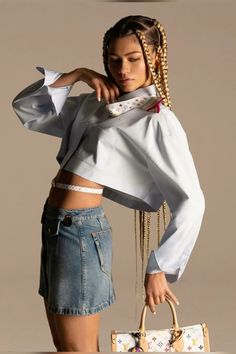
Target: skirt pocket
[103, 243]
[50, 236]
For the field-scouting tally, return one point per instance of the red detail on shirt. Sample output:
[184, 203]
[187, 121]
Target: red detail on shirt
[156, 106]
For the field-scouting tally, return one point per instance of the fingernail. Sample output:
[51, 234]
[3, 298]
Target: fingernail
[177, 302]
[99, 99]
[154, 313]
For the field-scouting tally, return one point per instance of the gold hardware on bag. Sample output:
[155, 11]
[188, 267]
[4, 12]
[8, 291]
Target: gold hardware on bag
[178, 336]
[176, 341]
[206, 336]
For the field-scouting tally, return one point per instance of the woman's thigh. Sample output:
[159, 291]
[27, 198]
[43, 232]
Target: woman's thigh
[53, 328]
[74, 332]
[78, 333]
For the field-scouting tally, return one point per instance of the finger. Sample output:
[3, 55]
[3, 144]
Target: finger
[111, 93]
[162, 298]
[151, 304]
[105, 93]
[98, 93]
[116, 89]
[172, 296]
[157, 300]
[95, 84]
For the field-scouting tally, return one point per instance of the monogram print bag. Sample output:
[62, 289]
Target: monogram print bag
[193, 338]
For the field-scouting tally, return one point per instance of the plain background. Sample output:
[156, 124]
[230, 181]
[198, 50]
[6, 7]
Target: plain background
[62, 35]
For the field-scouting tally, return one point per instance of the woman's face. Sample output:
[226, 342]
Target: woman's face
[127, 64]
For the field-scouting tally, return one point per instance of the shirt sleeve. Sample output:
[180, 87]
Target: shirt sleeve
[172, 168]
[46, 109]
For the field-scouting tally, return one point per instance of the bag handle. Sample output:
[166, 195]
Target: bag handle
[175, 324]
[176, 340]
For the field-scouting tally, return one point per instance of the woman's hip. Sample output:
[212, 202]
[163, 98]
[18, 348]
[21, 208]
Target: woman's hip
[78, 255]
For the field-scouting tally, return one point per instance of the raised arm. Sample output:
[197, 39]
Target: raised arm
[39, 106]
[44, 106]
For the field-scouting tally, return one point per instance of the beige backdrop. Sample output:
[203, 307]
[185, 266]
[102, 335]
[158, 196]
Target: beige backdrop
[62, 35]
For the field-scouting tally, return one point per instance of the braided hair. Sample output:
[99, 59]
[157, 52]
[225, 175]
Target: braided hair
[149, 32]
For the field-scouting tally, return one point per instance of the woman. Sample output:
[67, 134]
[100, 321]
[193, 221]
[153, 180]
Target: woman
[121, 141]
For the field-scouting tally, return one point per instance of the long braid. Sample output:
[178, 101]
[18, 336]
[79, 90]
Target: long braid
[163, 62]
[161, 82]
[106, 40]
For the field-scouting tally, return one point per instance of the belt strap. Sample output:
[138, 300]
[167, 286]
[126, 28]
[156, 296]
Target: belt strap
[76, 188]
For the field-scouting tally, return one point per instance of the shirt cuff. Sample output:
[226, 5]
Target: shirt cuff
[152, 266]
[58, 94]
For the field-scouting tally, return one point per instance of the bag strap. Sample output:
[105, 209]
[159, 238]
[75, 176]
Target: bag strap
[176, 340]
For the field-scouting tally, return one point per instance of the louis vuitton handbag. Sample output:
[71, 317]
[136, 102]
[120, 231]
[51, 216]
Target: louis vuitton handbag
[193, 338]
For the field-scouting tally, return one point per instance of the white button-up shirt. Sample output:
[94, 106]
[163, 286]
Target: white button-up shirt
[141, 157]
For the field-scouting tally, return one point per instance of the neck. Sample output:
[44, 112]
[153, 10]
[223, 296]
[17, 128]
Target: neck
[149, 90]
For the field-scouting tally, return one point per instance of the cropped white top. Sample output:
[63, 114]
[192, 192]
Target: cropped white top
[141, 157]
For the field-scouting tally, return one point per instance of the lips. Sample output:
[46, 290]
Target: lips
[125, 80]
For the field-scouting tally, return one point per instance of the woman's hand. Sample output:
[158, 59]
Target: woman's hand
[157, 290]
[103, 86]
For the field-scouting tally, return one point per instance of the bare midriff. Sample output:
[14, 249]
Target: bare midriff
[68, 199]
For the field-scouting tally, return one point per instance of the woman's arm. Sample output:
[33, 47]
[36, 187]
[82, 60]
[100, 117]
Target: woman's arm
[100, 83]
[67, 79]
[42, 108]
[45, 107]
[171, 165]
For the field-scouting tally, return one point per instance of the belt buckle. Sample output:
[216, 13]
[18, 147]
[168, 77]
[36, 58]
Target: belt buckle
[67, 221]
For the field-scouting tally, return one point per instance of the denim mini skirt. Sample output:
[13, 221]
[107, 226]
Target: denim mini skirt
[76, 260]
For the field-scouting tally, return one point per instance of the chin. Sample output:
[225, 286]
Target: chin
[126, 90]
[129, 88]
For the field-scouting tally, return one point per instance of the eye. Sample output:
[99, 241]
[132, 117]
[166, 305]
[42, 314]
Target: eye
[134, 59]
[117, 60]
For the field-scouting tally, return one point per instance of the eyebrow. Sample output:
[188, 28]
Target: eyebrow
[136, 51]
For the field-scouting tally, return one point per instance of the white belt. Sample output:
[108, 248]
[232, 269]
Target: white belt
[76, 188]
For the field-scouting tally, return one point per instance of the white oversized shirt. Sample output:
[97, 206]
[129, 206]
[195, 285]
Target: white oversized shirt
[141, 157]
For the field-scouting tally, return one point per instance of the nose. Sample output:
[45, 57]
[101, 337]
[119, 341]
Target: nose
[123, 68]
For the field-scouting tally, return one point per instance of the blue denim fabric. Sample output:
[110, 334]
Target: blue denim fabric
[76, 260]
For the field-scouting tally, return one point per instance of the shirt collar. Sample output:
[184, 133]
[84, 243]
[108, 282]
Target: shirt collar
[145, 97]
[142, 91]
